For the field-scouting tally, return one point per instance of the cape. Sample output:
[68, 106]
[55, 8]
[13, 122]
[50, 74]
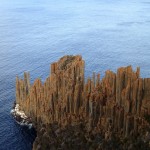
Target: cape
[70, 112]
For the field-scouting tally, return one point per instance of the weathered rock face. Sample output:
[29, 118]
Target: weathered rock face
[120, 102]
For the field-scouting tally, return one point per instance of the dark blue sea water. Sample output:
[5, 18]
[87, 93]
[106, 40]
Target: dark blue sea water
[34, 33]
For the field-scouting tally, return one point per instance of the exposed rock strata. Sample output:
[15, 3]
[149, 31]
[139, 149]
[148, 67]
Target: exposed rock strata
[119, 105]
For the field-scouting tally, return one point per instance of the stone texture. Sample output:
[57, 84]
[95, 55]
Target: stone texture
[117, 103]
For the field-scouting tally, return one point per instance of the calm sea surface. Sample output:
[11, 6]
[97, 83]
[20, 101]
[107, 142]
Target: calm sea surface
[34, 33]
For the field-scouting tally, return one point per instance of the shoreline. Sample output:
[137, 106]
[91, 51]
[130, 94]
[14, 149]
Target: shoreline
[69, 111]
[20, 117]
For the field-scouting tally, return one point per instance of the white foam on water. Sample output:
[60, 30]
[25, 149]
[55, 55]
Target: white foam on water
[23, 119]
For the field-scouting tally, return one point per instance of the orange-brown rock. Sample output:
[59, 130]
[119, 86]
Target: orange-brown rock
[120, 101]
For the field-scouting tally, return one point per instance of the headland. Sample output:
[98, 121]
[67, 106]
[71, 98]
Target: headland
[70, 113]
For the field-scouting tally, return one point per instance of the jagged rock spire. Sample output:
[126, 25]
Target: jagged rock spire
[122, 98]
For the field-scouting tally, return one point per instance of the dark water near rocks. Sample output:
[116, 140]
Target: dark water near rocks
[34, 33]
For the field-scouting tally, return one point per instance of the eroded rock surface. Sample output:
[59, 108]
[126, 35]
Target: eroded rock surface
[71, 113]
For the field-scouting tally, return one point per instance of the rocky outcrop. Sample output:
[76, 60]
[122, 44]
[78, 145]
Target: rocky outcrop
[118, 106]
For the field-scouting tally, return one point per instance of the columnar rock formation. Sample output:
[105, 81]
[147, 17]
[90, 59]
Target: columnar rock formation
[120, 102]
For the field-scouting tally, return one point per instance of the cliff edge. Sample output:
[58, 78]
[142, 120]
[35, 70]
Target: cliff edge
[71, 113]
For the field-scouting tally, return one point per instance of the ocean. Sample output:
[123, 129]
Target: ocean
[34, 33]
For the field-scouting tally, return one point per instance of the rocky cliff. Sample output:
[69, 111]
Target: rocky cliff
[115, 109]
